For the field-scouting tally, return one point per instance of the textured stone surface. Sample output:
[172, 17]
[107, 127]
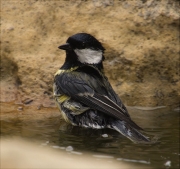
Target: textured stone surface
[141, 38]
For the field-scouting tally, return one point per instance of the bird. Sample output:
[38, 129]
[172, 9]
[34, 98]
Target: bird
[83, 93]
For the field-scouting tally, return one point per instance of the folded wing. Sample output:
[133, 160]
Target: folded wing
[91, 92]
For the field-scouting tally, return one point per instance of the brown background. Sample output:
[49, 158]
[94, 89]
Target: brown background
[141, 38]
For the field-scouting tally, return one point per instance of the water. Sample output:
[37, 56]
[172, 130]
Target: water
[46, 128]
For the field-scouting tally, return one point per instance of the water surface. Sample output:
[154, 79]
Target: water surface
[46, 128]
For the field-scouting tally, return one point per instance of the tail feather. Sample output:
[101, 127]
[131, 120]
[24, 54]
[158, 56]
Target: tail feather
[129, 132]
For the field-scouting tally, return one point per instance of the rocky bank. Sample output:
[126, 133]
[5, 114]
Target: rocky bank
[141, 38]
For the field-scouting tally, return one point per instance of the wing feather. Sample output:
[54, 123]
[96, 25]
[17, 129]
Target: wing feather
[92, 92]
[103, 106]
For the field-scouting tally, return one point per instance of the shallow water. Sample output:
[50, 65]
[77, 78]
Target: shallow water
[46, 128]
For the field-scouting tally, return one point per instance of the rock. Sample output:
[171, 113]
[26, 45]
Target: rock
[141, 38]
[20, 108]
[105, 135]
[17, 153]
[167, 163]
[69, 148]
[27, 101]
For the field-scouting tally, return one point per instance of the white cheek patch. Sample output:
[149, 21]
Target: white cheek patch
[89, 56]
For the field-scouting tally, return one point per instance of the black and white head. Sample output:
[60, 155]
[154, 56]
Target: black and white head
[84, 48]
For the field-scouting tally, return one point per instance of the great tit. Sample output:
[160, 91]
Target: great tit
[83, 93]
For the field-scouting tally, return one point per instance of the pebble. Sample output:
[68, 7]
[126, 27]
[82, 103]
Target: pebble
[20, 108]
[167, 163]
[104, 135]
[27, 101]
[69, 148]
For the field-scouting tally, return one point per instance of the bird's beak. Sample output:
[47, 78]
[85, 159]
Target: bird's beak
[65, 47]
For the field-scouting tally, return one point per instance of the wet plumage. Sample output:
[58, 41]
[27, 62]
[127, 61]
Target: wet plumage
[83, 93]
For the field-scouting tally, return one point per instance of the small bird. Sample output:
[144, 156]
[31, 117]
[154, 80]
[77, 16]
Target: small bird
[83, 93]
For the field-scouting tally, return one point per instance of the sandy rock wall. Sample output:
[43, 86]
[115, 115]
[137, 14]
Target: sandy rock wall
[141, 38]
